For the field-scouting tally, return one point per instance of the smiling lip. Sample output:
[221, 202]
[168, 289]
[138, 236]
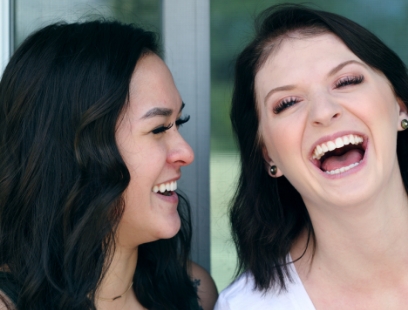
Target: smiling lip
[169, 186]
[340, 142]
[167, 190]
[336, 141]
[333, 138]
[171, 198]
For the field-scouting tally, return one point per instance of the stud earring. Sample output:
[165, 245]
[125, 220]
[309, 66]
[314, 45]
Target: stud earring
[274, 169]
[404, 124]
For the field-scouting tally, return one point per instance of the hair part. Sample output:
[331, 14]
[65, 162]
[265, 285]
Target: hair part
[268, 214]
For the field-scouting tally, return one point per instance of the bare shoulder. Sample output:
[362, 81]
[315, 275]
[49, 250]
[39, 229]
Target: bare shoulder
[206, 289]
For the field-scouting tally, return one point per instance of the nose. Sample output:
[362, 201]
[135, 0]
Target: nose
[324, 111]
[180, 152]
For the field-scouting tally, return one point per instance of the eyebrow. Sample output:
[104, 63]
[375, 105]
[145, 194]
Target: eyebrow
[160, 112]
[343, 64]
[332, 72]
[280, 88]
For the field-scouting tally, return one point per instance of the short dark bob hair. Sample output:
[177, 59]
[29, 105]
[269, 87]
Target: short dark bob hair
[267, 214]
[62, 175]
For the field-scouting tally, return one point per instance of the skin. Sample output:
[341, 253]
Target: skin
[359, 217]
[206, 288]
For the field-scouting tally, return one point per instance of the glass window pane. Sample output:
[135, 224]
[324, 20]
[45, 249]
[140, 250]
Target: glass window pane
[34, 14]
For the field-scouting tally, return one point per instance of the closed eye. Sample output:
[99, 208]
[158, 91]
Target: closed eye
[284, 104]
[349, 80]
[182, 120]
[162, 129]
[178, 123]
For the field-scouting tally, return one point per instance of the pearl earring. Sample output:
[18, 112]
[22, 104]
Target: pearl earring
[404, 124]
[274, 169]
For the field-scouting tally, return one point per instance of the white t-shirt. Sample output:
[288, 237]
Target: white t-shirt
[241, 295]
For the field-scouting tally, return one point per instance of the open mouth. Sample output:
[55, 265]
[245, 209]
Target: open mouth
[339, 155]
[165, 189]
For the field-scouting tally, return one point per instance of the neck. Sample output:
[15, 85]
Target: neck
[117, 280]
[355, 241]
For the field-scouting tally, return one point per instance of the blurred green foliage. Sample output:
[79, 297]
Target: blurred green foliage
[232, 28]
[34, 14]
[145, 13]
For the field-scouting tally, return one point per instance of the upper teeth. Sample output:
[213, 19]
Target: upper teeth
[327, 146]
[169, 186]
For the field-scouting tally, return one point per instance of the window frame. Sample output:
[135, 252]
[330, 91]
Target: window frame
[6, 32]
[186, 36]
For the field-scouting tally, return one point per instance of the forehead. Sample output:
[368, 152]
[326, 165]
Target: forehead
[152, 85]
[150, 72]
[297, 54]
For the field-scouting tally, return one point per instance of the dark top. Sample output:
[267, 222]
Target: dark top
[8, 286]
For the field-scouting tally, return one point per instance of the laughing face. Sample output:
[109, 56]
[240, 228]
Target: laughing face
[154, 151]
[328, 121]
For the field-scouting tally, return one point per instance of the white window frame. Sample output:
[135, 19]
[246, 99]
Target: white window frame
[186, 35]
[6, 32]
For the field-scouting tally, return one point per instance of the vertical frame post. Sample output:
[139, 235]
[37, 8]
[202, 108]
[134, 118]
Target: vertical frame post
[6, 32]
[186, 34]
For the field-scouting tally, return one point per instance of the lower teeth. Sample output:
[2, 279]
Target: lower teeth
[343, 169]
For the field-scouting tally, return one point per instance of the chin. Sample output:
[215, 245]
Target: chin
[359, 194]
[170, 229]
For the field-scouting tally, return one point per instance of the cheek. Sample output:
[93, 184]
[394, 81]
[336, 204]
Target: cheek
[132, 196]
[281, 139]
[144, 169]
[377, 101]
[144, 162]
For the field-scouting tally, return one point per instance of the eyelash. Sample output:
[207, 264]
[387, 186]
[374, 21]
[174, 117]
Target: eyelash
[179, 123]
[349, 80]
[285, 103]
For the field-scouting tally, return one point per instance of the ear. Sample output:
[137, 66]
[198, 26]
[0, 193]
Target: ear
[403, 114]
[269, 163]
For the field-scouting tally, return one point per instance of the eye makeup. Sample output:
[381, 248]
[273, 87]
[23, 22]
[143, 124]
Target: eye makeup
[349, 80]
[179, 122]
[284, 104]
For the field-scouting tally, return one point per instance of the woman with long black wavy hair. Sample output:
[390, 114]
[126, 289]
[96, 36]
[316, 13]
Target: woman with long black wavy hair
[320, 215]
[90, 155]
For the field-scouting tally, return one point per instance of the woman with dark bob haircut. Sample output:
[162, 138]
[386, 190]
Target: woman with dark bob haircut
[90, 155]
[320, 216]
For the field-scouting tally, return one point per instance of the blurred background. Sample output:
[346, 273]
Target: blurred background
[230, 29]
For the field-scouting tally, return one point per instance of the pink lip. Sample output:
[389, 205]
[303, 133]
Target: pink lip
[335, 136]
[173, 198]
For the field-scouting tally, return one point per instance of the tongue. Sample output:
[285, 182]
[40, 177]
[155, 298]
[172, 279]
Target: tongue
[336, 162]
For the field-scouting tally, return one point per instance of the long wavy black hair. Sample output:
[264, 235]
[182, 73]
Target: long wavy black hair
[62, 176]
[268, 214]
